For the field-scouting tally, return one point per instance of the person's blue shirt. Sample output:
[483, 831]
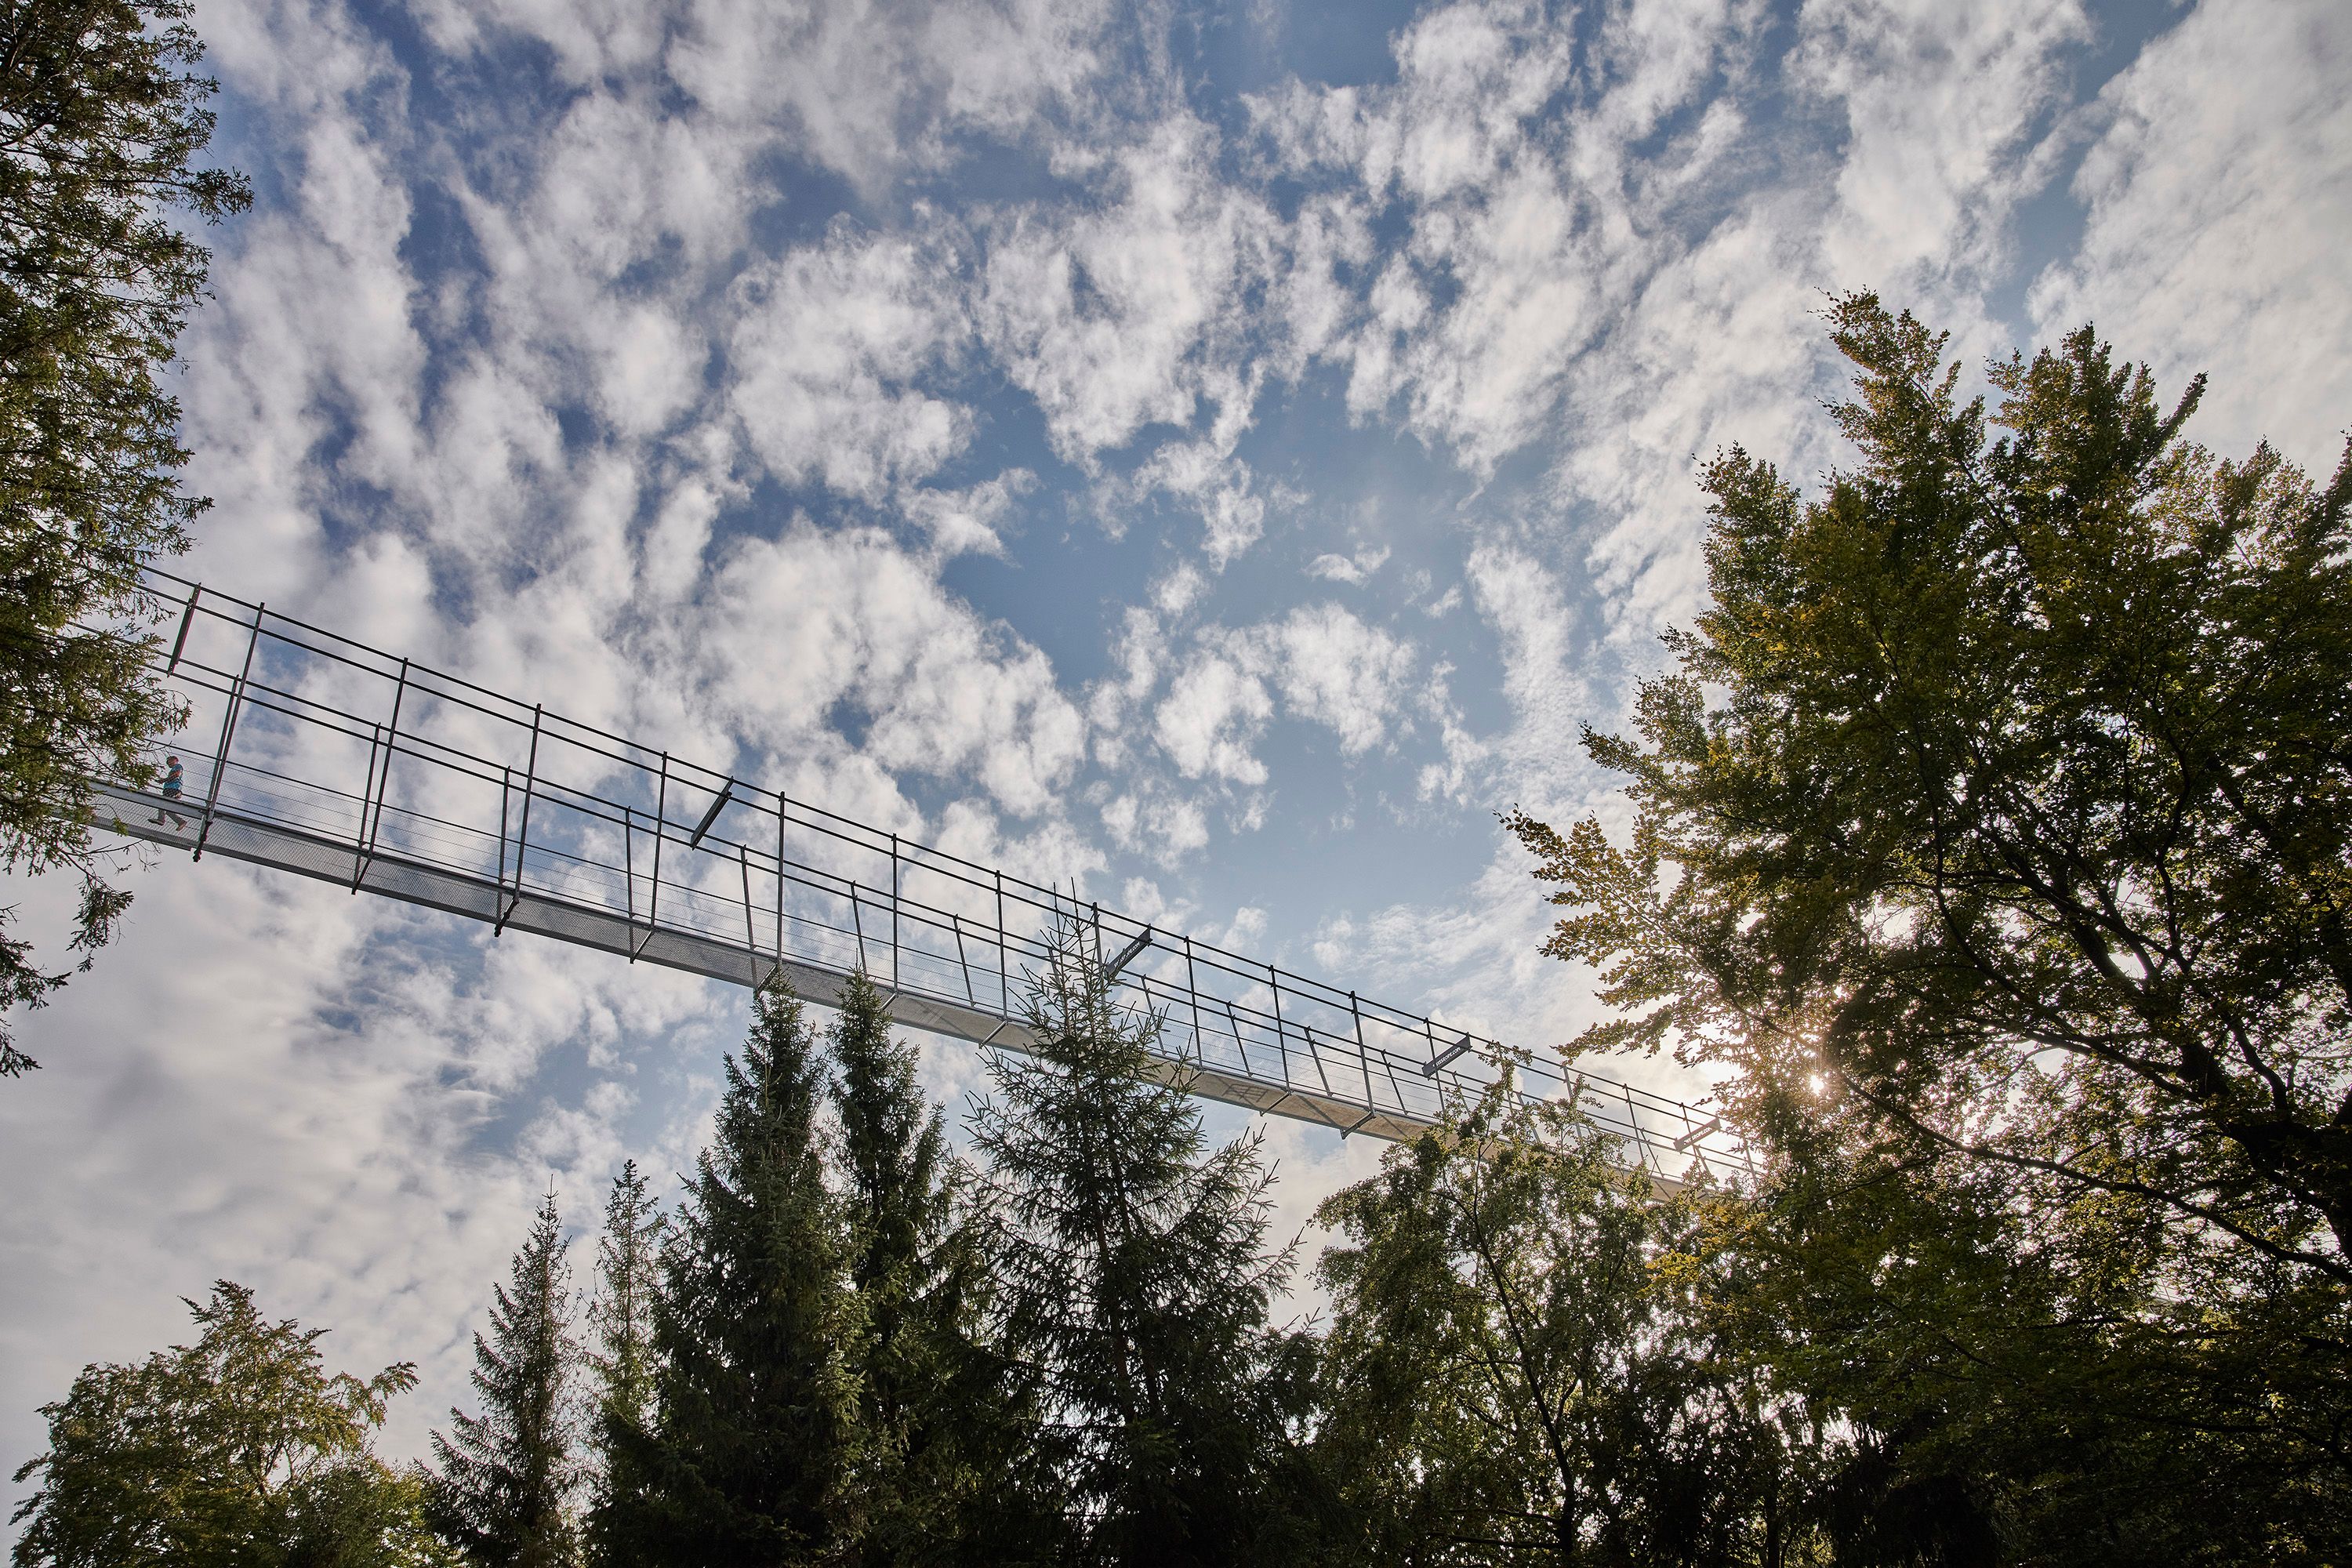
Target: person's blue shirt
[172, 781]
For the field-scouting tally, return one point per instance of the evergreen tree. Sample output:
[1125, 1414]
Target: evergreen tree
[103, 120]
[623, 1361]
[508, 1476]
[1136, 1278]
[748, 1459]
[941, 1427]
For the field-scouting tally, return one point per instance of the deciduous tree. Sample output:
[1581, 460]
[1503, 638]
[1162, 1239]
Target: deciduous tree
[1994, 831]
[239, 1451]
[102, 121]
[1517, 1368]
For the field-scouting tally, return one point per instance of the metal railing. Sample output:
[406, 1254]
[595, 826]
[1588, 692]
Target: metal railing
[337, 761]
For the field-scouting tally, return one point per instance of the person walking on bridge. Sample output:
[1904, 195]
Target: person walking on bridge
[173, 783]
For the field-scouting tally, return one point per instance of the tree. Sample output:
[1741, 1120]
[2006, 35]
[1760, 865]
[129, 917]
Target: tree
[747, 1459]
[240, 1451]
[1994, 830]
[945, 1432]
[1518, 1370]
[624, 1363]
[508, 1476]
[1135, 1280]
[2028, 787]
[101, 122]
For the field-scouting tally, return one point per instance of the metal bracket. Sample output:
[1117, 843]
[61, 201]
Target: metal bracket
[1127, 954]
[1698, 1133]
[711, 815]
[1437, 1063]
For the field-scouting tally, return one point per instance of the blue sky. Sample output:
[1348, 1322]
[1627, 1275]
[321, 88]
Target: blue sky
[1220, 454]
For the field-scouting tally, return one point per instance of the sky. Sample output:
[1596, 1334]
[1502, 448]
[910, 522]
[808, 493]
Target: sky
[1218, 453]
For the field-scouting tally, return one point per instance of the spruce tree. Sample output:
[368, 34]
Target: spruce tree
[1135, 1275]
[747, 1460]
[623, 1361]
[508, 1476]
[941, 1422]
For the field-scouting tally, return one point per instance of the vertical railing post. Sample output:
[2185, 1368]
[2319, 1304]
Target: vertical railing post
[781, 804]
[228, 732]
[522, 830]
[1193, 988]
[1281, 1044]
[894, 912]
[653, 890]
[1003, 975]
[1364, 1056]
[372, 816]
[629, 878]
[506, 787]
[750, 938]
[857, 924]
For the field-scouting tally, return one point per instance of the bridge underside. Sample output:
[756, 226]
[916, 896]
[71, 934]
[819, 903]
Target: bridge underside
[455, 892]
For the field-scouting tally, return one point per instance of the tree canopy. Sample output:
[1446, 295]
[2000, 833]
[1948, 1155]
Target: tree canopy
[102, 121]
[1993, 831]
[240, 1450]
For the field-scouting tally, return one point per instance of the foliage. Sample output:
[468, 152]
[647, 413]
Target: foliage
[942, 1433]
[508, 1476]
[1516, 1367]
[1995, 830]
[747, 1459]
[100, 121]
[2026, 814]
[2032, 1386]
[240, 1451]
[622, 1363]
[1135, 1277]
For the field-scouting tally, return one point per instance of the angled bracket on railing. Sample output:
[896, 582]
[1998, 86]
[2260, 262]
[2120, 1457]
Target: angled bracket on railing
[1438, 1063]
[711, 815]
[1127, 954]
[1698, 1133]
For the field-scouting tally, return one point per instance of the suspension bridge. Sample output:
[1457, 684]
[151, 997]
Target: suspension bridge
[340, 762]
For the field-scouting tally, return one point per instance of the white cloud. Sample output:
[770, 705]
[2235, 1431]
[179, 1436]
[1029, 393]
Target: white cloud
[2220, 194]
[1354, 570]
[1329, 667]
[828, 342]
[1940, 103]
[812, 620]
[1121, 315]
[1337, 670]
[1211, 720]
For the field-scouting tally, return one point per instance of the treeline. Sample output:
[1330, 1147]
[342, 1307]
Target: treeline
[845, 1344]
[1993, 841]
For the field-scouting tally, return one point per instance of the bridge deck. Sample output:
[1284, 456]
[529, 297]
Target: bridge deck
[338, 761]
